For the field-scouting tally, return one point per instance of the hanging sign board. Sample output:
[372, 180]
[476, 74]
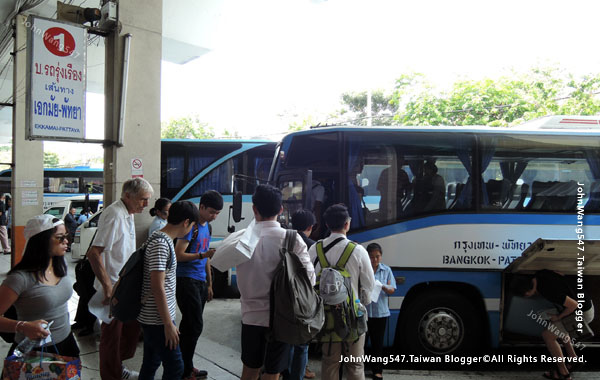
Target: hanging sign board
[56, 78]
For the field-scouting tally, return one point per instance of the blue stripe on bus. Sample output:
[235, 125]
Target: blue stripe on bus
[494, 317]
[447, 219]
[69, 195]
[209, 168]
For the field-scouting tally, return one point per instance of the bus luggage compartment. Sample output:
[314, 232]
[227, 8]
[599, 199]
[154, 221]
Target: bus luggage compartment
[578, 260]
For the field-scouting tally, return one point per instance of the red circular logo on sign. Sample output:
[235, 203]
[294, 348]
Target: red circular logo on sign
[59, 42]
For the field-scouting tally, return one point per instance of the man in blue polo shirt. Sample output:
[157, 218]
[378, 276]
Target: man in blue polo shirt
[194, 281]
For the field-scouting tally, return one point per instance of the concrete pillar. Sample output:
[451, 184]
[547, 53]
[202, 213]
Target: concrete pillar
[27, 186]
[143, 20]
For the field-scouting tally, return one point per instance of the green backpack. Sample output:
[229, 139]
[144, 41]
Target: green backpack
[340, 302]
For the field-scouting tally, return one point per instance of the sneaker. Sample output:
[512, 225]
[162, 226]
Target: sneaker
[308, 374]
[197, 374]
[129, 374]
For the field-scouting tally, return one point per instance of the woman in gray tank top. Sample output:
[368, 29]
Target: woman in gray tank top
[39, 288]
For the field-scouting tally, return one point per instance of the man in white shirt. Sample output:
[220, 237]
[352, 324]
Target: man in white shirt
[112, 246]
[337, 219]
[254, 281]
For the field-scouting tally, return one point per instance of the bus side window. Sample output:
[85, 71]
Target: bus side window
[543, 177]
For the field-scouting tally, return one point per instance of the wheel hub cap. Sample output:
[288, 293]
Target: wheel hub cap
[441, 330]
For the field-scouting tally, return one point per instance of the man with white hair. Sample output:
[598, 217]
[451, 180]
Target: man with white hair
[112, 246]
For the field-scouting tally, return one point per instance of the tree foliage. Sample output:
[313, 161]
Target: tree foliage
[497, 102]
[189, 127]
[354, 108]
[299, 125]
[51, 160]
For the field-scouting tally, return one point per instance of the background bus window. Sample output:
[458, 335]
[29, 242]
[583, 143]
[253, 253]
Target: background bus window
[182, 161]
[61, 185]
[175, 175]
[540, 175]
[93, 185]
[255, 170]
[219, 179]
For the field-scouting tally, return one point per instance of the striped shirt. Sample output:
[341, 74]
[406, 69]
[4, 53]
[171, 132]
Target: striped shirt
[159, 254]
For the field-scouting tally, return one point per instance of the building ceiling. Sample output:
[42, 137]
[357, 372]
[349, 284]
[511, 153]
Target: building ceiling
[188, 31]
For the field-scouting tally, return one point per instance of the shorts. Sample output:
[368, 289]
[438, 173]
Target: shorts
[258, 350]
[588, 316]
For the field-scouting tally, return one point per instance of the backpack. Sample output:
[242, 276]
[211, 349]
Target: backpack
[126, 299]
[85, 276]
[296, 310]
[342, 320]
[195, 236]
[11, 313]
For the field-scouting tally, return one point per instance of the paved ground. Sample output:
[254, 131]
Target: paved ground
[218, 351]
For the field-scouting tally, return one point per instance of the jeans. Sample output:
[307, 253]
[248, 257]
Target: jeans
[191, 298]
[298, 361]
[155, 353]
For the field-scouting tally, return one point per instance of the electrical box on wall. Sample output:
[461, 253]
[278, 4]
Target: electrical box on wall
[109, 16]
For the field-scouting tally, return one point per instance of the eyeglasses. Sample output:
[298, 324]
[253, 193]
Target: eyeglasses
[61, 237]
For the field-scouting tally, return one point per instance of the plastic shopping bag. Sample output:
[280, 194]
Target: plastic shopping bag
[41, 366]
[236, 248]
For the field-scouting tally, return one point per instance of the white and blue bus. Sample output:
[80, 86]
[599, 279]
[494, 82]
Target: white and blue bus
[452, 207]
[63, 183]
[191, 167]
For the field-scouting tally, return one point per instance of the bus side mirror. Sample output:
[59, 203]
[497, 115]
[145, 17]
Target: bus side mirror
[237, 206]
[235, 211]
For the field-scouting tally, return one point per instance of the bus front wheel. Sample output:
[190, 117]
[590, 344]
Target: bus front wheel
[441, 323]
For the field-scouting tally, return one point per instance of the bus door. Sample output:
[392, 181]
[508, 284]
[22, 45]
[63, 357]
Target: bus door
[522, 318]
[295, 186]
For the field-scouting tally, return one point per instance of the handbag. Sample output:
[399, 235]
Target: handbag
[41, 366]
[578, 330]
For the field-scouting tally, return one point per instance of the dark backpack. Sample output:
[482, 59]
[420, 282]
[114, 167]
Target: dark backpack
[126, 300]
[11, 313]
[85, 276]
[296, 309]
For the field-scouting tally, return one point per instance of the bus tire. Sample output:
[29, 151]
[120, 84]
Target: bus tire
[219, 283]
[441, 323]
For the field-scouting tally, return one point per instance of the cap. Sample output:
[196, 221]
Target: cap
[302, 219]
[39, 224]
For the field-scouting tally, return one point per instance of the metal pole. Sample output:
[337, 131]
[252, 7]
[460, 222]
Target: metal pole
[369, 109]
[126, 51]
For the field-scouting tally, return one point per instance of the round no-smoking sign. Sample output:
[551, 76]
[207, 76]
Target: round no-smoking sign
[137, 167]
